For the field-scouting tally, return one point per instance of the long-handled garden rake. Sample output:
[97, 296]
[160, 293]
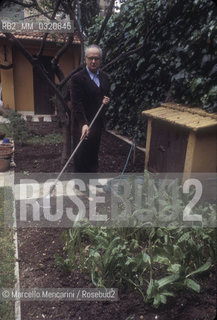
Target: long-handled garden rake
[72, 155]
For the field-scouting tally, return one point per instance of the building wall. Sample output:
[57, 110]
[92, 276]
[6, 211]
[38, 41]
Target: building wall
[13, 12]
[103, 5]
[23, 82]
[7, 75]
[70, 60]
[17, 83]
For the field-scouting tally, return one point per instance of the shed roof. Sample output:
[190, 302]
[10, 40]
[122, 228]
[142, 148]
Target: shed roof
[38, 36]
[193, 119]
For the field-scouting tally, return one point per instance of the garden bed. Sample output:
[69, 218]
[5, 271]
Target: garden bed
[35, 157]
[38, 247]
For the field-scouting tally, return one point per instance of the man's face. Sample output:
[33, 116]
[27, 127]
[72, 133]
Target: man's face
[93, 59]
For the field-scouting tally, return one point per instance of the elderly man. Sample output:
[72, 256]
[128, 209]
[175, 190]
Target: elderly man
[89, 89]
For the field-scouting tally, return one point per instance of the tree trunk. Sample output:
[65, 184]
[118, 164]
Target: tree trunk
[65, 120]
[66, 141]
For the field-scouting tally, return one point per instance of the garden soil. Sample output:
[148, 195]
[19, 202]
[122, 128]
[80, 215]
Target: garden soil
[38, 247]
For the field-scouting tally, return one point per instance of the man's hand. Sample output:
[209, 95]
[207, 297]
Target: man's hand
[105, 100]
[84, 132]
[85, 128]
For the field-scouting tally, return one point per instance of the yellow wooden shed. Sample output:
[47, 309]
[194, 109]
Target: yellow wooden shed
[23, 88]
[181, 139]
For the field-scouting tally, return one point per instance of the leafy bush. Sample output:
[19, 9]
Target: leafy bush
[175, 58]
[155, 258]
[156, 261]
[16, 128]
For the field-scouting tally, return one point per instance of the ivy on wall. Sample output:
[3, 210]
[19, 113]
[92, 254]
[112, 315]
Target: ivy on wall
[173, 57]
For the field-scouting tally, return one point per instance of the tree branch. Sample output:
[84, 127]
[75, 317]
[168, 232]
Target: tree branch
[62, 83]
[105, 21]
[151, 29]
[35, 63]
[36, 15]
[81, 38]
[121, 56]
[55, 60]
[71, 10]
[27, 55]
[54, 87]
[42, 44]
[72, 13]
[46, 34]
[33, 4]
[2, 66]
[26, 5]
[39, 9]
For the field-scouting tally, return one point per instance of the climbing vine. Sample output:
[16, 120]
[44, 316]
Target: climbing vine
[156, 51]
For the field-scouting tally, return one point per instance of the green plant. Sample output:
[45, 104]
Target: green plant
[179, 252]
[16, 128]
[176, 255]
[173, 57]
[156, 260]
[51, 138]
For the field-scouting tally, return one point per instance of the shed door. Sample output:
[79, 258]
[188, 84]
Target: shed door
[168, 148]
[43, 93]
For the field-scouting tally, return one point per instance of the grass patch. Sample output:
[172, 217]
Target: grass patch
[18, 130]
[50, 138]
[7, 253]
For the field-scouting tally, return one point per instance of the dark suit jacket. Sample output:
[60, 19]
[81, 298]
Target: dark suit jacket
[86, 99]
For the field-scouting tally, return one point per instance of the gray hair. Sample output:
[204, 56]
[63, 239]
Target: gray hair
[93, 46]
